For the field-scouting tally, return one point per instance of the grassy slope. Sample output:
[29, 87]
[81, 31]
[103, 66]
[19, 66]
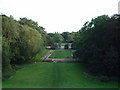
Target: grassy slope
[6, 75]
[61, 54]
[52, 75]
[40, 55]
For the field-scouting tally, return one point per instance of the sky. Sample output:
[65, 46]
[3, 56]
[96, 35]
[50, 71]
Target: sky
[59, 15]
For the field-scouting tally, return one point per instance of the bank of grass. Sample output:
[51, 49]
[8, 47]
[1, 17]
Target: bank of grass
[54, 75]
[7, 75]
[61, 54]
[40, 55]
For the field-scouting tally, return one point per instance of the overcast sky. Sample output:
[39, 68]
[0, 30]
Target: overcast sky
[59, 15]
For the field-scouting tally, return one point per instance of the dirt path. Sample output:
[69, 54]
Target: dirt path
[60, 60]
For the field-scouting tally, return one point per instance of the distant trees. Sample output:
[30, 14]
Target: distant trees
[58, 38]
[97, 45]
[65, 37]
[68, 37]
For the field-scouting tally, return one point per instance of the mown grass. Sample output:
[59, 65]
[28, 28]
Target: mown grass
[54, 75]
[40, 55]
[7, 75]
[61, 54]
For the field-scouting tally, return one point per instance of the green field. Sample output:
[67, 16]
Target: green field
[54, 75]
[61, 54]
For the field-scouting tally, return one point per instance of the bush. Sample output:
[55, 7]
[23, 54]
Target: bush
[54, 46]
[7, 75]
[66, 46]
[72, 47]
[5, 55]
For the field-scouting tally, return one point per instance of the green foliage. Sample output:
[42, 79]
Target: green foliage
[49, 40]
[28, 22]
[66, 46]
[34, 25]
[57, 38]
[54, 46]
[68, 37]
[5, 55]
[0, 46]
[10, 29]
[21, 41]
[7, 75]
[97, 45]
[32, 41]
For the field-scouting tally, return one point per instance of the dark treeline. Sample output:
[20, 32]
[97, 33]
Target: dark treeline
[97, 46]
[65, 37]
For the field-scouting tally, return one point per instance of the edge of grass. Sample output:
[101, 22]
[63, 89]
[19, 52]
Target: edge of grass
[61, 54]
[40, 55]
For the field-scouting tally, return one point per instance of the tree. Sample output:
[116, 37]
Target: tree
[97, 45]
[66, 46]
[21, 41]
[68, 37]
[5, 56]
[58, 38]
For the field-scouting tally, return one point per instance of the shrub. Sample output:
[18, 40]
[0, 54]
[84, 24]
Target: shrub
[54, 46]
[66, 46]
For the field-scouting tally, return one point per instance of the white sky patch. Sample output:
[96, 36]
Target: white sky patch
[59, 15]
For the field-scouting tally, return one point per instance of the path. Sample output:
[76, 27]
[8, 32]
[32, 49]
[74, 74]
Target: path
[60, 60]
[47, 55]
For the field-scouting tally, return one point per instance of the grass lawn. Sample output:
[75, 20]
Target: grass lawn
[40, 55]
[61, 54]
[62, 44]
[54, 75]
[6, 75]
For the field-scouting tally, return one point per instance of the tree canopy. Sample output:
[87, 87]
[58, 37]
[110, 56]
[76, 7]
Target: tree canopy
[21, 41]
[97, 45]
